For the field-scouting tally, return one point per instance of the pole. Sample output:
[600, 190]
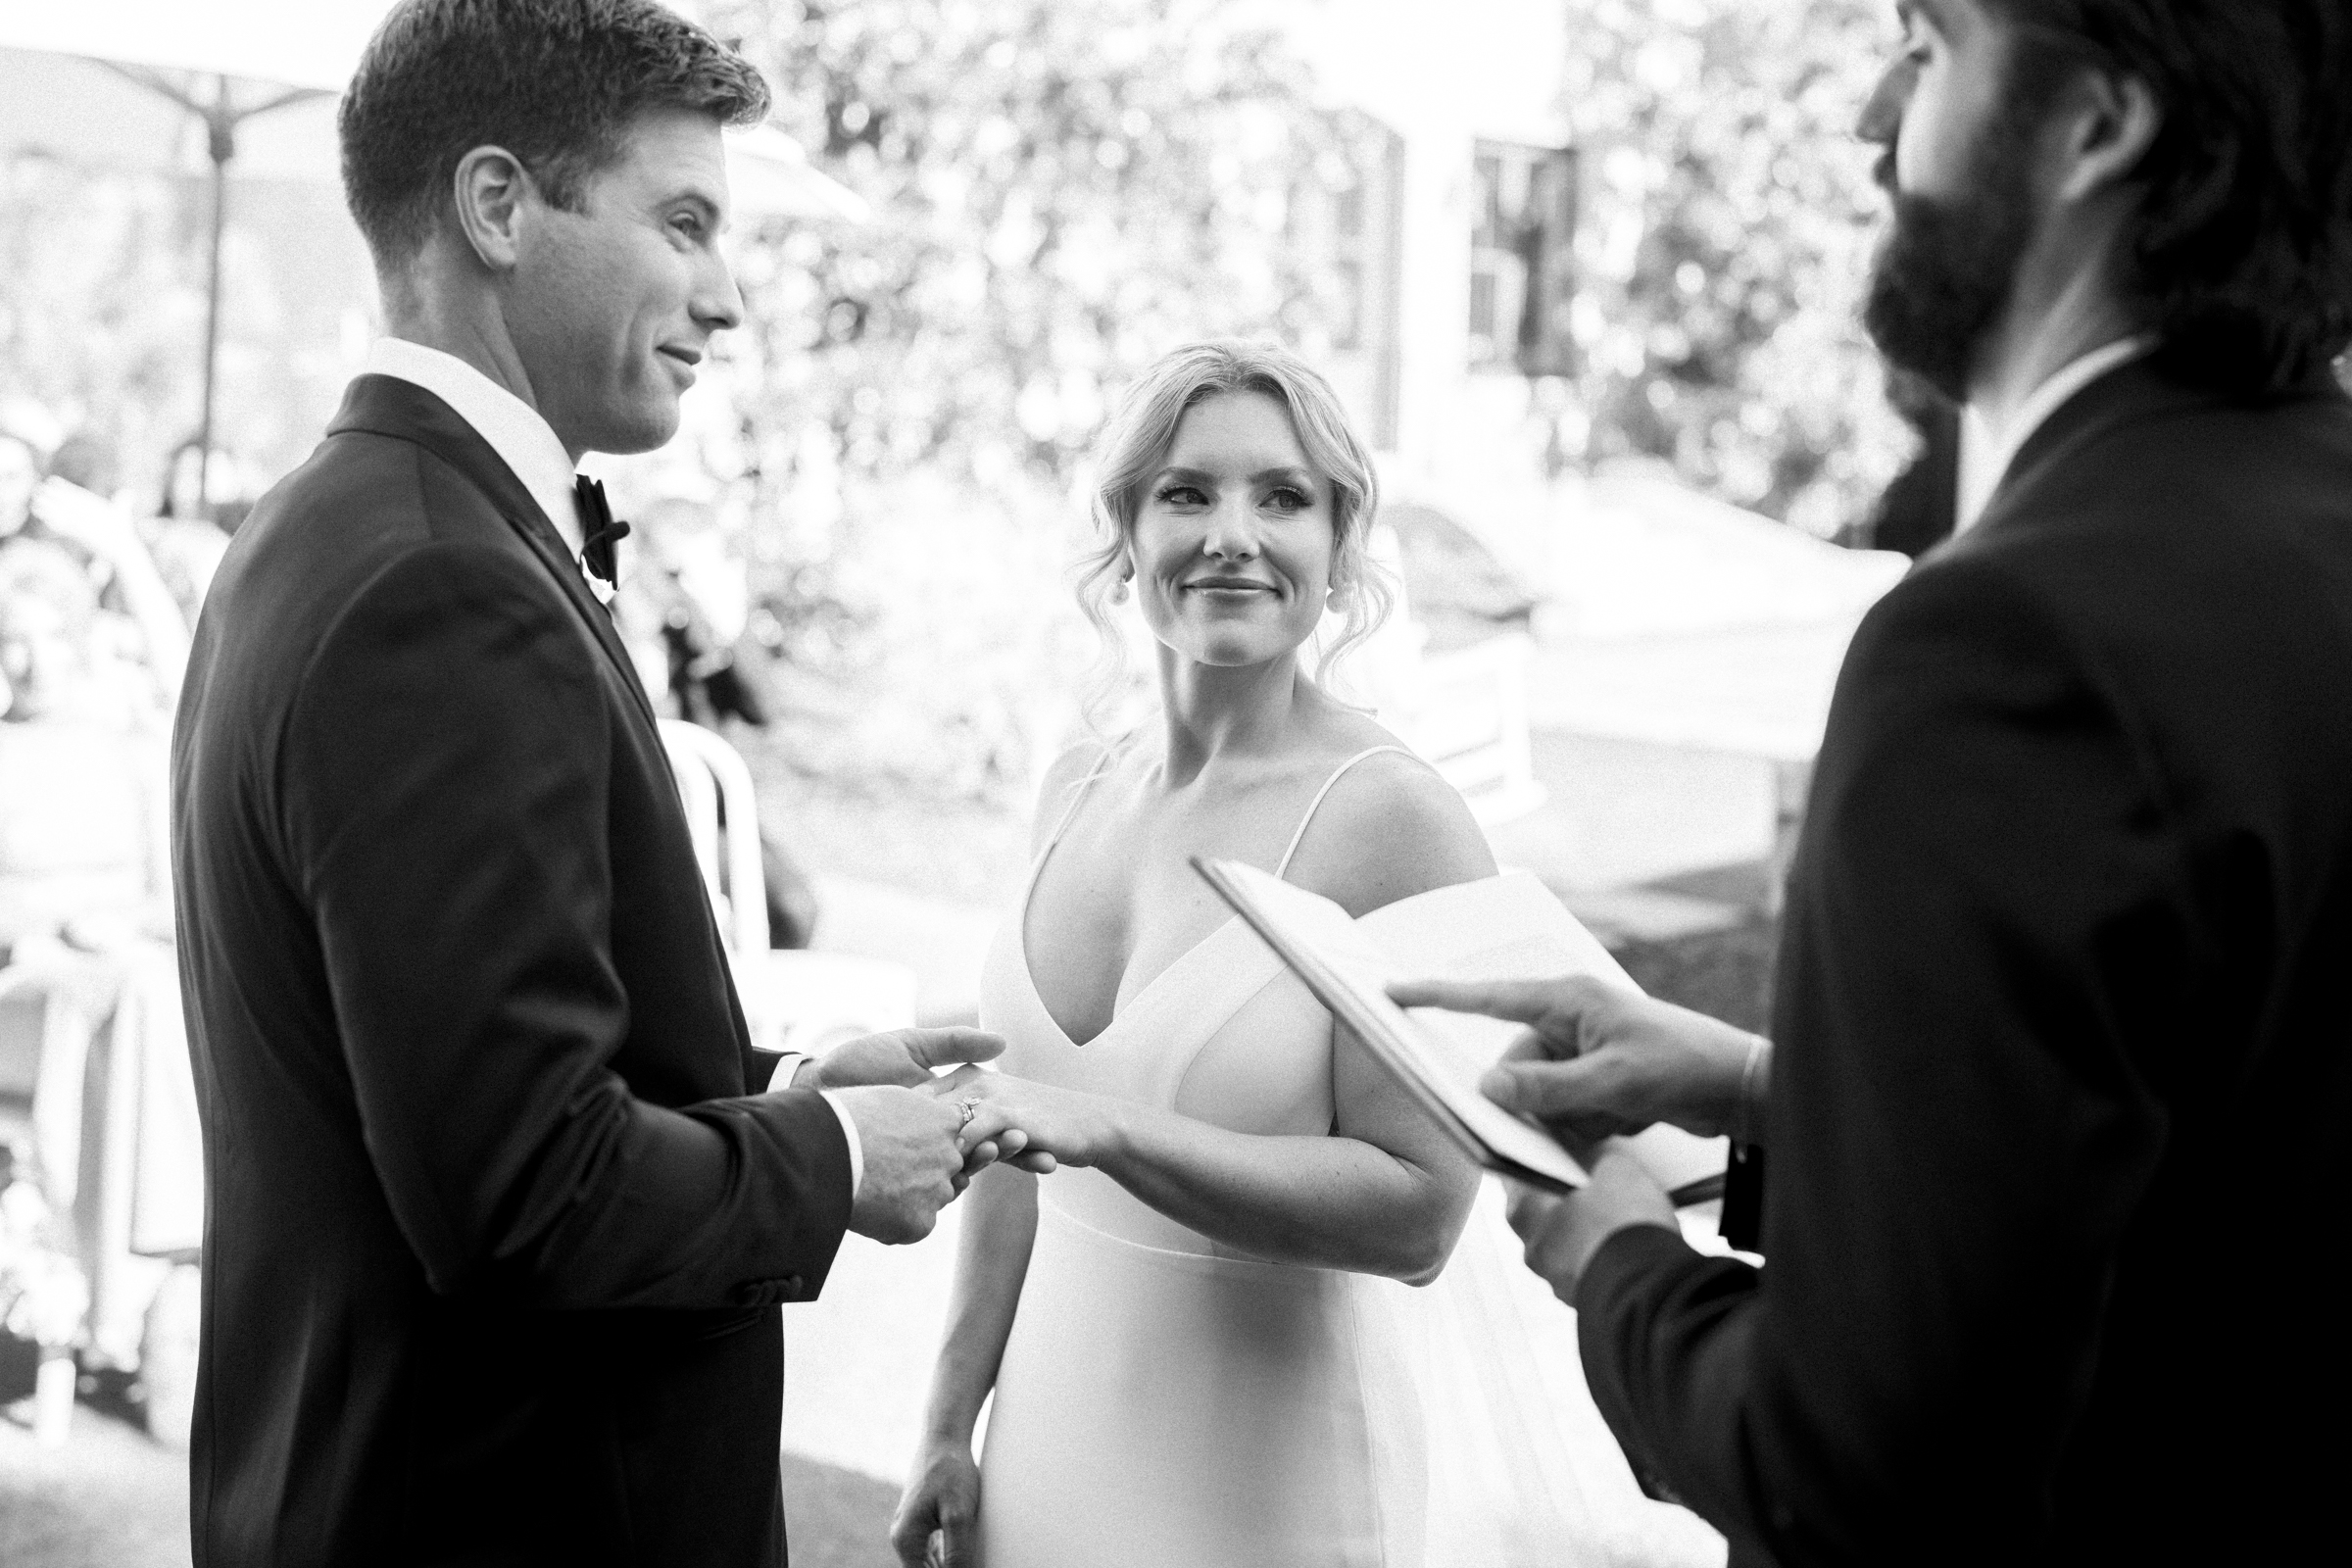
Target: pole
[221, 118]
[221, 128]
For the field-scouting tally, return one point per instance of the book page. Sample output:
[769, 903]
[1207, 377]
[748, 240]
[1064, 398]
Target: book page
[1450, 1051]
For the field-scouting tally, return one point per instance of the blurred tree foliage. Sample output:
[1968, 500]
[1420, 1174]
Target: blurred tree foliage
[1062, 190]
[1065, 189]
[102, 306]
[100, 311]
[1730, 216]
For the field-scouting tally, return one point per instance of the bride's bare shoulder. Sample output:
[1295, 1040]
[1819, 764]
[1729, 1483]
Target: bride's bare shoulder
[1391, 827]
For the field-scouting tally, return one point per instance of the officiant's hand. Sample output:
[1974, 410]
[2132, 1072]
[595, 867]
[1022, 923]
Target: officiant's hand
[1563, 1233]
[1599, 1059]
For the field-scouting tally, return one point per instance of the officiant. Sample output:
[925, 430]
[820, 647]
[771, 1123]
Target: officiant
[2062, 1058]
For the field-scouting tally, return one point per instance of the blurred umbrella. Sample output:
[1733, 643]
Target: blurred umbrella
[768, 176]
[170, 87]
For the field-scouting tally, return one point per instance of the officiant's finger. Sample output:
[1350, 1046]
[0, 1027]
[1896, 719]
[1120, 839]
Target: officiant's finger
[1577, 1086]
[1526, 1206]
[1528, 1045]
[1553, 1005]
[941, 1048]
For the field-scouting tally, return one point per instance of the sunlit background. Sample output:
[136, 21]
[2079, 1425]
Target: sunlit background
[1584, 271]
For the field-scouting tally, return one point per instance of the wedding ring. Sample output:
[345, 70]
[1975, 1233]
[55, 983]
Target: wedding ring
[968, 1109]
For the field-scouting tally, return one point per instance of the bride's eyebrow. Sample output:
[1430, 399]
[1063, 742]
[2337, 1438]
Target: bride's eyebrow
[1203, 476]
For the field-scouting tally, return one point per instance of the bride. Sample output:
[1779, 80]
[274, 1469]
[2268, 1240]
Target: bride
[1197, 1345]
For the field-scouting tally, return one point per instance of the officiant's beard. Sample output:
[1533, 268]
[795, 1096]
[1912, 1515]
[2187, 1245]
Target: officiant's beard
[1947, 267]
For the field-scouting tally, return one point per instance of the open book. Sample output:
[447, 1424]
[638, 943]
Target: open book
[1437, 1056]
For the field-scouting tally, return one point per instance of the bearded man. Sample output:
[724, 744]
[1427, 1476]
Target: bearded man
[2063, 1017]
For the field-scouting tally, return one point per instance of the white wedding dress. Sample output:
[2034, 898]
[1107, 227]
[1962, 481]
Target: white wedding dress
[1164, 1402]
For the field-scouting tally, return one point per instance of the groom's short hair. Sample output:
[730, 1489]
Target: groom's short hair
[2241, 250]
[555, 82]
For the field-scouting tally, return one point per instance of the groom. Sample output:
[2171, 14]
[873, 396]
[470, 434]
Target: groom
[2057, 1115]
[497, 1218]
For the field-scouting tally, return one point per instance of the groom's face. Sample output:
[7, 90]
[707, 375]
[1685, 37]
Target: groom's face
[1958, 159]
[612, 306]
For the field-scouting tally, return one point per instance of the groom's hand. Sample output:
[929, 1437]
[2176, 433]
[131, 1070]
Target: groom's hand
[915, 1164]
[1599, 1059]
[903, 1056]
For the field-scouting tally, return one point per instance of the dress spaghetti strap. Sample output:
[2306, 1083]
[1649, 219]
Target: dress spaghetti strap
[1337, 774]
[1076, 789]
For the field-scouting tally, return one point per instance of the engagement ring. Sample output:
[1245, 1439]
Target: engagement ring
[969, 1108]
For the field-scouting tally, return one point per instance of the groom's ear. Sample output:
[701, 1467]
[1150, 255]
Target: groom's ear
[489, 187]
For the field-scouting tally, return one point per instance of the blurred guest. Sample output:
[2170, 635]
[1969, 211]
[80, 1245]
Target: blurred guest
[192, 528]
[2064, 1026]
[140, 621]
[19, 476]
[684, 611]
[87, 460]
[142, 618]
[85, 930]
[80, 783]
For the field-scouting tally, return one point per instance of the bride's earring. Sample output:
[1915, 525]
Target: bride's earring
[1118, 593]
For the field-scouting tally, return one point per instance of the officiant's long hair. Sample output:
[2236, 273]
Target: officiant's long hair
[1135, 442]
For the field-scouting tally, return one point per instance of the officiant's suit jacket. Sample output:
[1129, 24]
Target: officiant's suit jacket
[494, 1237]
[2063, 1075]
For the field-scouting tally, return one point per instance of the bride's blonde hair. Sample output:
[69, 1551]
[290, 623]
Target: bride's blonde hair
[1135, 442]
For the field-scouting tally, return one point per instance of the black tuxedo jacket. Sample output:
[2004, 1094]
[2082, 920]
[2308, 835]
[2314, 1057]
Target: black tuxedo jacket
[495, 1236]
[2063, 1074]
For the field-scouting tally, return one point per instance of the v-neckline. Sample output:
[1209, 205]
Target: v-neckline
[1119, 1011]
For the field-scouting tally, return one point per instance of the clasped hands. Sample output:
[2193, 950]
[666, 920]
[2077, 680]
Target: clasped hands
[1599, 1061]
[924, 1134]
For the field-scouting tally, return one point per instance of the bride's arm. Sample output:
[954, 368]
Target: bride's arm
[992, 1258]
[1387, 1192]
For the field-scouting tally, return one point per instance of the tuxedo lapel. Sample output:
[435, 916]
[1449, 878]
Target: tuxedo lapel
[386, 405]
[2132, 394]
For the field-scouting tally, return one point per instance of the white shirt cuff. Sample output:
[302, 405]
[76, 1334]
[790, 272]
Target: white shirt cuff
[848, 1130]
[789, 1063]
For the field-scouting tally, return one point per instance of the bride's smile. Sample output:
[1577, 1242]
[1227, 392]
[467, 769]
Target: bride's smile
[1233, 541]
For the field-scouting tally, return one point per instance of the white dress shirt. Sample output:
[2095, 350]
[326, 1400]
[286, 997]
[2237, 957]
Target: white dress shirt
[513, 428]
[1988, 450]
[527, 446]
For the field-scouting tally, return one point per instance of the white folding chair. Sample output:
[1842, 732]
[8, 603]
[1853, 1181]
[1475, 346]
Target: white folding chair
[793, 1001]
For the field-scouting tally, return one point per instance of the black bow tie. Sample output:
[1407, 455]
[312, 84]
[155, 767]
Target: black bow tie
[600, 533]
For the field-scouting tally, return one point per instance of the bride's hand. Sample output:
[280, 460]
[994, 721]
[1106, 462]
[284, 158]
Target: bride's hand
[939, 1512]
[1062, 1125]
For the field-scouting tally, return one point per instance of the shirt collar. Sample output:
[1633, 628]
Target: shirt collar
[523, 440]
[1982, 472]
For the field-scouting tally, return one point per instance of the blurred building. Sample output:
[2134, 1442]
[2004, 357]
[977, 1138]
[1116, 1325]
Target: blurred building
[1452, 231]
